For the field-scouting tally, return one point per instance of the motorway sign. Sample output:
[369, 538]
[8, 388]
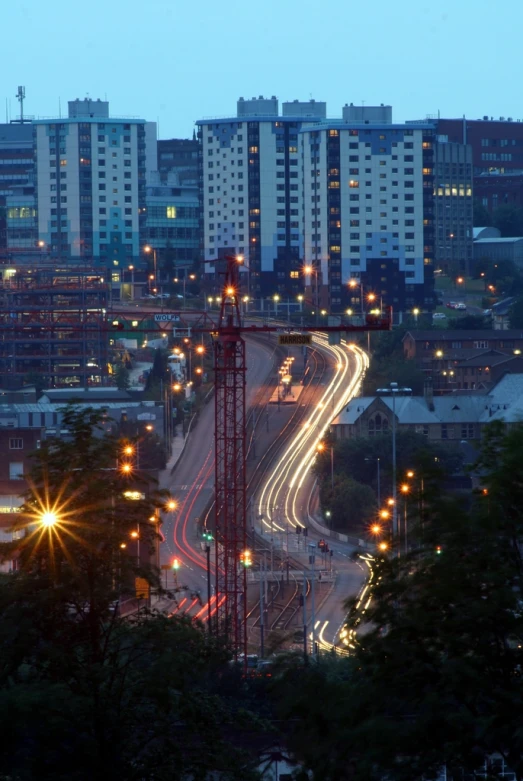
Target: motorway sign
[163, 317]
[293, 339]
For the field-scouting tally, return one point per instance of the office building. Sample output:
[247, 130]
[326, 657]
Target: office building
[91, 172]
[17, 206]
[251, 191]
[178, 156]
[497, 154]
[453, 206]
[173, 223]
[368, 195]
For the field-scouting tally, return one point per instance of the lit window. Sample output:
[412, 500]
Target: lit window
[171, 212]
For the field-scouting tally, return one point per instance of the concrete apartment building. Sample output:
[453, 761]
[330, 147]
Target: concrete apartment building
[91, 172]
[357, 199]
[369, 209]
[252, 190]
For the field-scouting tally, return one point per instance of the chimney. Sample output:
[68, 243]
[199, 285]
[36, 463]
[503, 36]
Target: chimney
[428, 393]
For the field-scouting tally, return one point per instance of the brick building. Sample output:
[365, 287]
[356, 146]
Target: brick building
[16, 445]
[464, 360]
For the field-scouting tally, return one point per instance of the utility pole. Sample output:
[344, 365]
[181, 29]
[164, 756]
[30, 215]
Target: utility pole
[208, 551]
[379, 484]
[312, 558]
[262, 628]
[394, 390]
[304, 614]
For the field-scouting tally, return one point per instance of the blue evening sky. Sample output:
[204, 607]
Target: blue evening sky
[177, 61]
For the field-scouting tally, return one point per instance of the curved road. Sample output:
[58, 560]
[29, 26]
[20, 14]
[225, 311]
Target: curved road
[192, 484]
[283, 500]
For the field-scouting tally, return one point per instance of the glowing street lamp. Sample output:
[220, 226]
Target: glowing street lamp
[375, 528]
[48, 518]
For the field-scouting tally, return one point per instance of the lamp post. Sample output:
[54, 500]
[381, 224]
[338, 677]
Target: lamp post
[393, 389]
[353, 284]
[320, 448]
[131, 269]
[379, 478]
[148, 249]
[309, 271]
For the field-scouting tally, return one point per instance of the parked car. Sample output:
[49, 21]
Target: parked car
[451, 304]
[163, 295]
[461, 306]
[439, 316]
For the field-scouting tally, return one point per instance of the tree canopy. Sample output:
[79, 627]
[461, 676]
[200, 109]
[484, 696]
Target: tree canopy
[388, 364]
[355, 464]
[435, 676]
[85, 692]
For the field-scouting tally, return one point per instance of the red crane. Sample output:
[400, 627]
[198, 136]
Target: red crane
[230, 486]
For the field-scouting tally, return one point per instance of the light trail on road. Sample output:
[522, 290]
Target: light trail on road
[282, 486]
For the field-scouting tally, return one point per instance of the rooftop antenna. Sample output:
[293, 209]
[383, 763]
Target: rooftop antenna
[21, 96]
[59, 108]
[6, 113]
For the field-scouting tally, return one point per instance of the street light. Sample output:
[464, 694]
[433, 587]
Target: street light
[48, 518]
[309, 270]
[379, 477]
[320, 448]
[354, 283]
[148, 249]
[393, 389]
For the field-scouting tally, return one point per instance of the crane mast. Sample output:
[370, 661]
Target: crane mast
[230, 465]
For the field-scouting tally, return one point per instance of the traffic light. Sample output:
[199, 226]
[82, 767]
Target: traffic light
[298, 529]
[245, 558]
[207, 535]
[176, 564]
[438, 549]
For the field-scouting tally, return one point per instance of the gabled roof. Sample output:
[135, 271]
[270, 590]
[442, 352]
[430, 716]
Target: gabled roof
[488, 358]
[503, 307]
[97, 396]
[414, 410]
[504, 401]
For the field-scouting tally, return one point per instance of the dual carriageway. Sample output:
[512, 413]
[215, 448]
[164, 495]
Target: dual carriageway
[282, 443]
